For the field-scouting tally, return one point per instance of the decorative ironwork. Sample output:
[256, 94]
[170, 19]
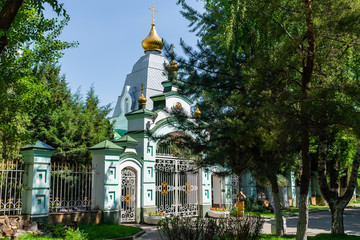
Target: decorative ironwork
[71, 188]
[233, 184]
[11, 177]
[188, 188]
[181, 179]
[128, 195]
[164, 188]
[127, 198]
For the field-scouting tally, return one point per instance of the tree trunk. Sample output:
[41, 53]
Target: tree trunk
[337, 204]
[337, 218]
[304, 119]
[301, 233]
[277, 206]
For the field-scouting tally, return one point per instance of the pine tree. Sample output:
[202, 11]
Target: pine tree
[285, 69]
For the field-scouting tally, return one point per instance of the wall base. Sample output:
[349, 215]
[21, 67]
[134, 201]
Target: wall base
[203, 209]
[146, 210]
[113, 217]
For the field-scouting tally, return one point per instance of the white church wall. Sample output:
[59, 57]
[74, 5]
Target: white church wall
[172, 101]
[206, 196]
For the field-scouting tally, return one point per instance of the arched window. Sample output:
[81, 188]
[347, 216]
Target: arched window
[126, 106]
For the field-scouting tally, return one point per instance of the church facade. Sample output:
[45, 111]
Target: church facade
[134, 174]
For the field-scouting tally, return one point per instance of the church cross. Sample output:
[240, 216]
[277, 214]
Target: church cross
[153, 10]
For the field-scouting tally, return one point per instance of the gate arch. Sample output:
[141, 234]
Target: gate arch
[130, 185]
[128, 195]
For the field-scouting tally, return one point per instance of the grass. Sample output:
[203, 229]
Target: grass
[94, 232]
[355, 202]
[29, 236]
[101, 231]
[322, 236]
[290, 211]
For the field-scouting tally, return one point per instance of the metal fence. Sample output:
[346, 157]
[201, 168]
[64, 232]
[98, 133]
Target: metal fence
[10, 187]
[71, 188]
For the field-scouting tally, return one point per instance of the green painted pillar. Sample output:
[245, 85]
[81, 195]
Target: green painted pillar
[35, 196]
[205, 191]
[107, 179]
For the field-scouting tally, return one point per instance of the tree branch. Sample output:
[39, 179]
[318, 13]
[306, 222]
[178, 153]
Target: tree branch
[7, 16]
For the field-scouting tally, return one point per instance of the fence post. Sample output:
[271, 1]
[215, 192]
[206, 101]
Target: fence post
[205, 191]
[107, 189]
[36, 179]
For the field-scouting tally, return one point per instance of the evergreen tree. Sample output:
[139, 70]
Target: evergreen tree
[288, 67]
[65, 121]
[31, 40]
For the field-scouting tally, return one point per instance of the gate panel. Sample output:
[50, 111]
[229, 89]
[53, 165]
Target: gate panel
[176, 186]
[128, 195]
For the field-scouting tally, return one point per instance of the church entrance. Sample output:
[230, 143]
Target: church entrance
[128, 195]
[176, 186]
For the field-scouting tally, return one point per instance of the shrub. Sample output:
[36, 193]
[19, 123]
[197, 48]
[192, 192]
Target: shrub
[75, 234]
[252, 206]
[233, 212]
[59, 231]
[189, 228]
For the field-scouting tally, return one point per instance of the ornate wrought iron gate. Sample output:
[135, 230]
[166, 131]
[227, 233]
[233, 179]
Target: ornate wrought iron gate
[233, 183]
[128, 195]
[176, 186]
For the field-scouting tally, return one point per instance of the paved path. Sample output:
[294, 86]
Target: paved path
[319, 222]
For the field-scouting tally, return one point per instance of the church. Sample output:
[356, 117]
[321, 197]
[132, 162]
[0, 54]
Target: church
[141, 175]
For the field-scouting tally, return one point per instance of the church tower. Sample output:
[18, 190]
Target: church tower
[149, 70]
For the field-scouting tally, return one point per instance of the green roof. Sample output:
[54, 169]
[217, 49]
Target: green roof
[141, 111]
[106, 145]
[127, 138]
[163, 96]
[38, 145]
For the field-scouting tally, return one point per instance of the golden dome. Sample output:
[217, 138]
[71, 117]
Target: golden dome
[142, 99]
[197, 112]
[152, 42]
[173, 66]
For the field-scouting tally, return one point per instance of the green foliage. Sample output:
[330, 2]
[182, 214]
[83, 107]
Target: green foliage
[108, 231]
[33, 39]
[35, 101]
[272, 76]
[30, 236]
[248, 227]
[58, 231]
[75, 234]
[67, 122]
[253, 206]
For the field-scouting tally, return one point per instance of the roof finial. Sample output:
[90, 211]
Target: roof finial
[173, 66]
[153, 15]
[197, 112]
[142, 99]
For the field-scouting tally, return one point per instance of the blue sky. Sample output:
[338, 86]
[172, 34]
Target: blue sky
[109, 33]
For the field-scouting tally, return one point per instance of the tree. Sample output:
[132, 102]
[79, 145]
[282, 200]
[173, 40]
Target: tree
[11, 8]
[65, 121]
[32, 39]
[298, 53]
[337, 153]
